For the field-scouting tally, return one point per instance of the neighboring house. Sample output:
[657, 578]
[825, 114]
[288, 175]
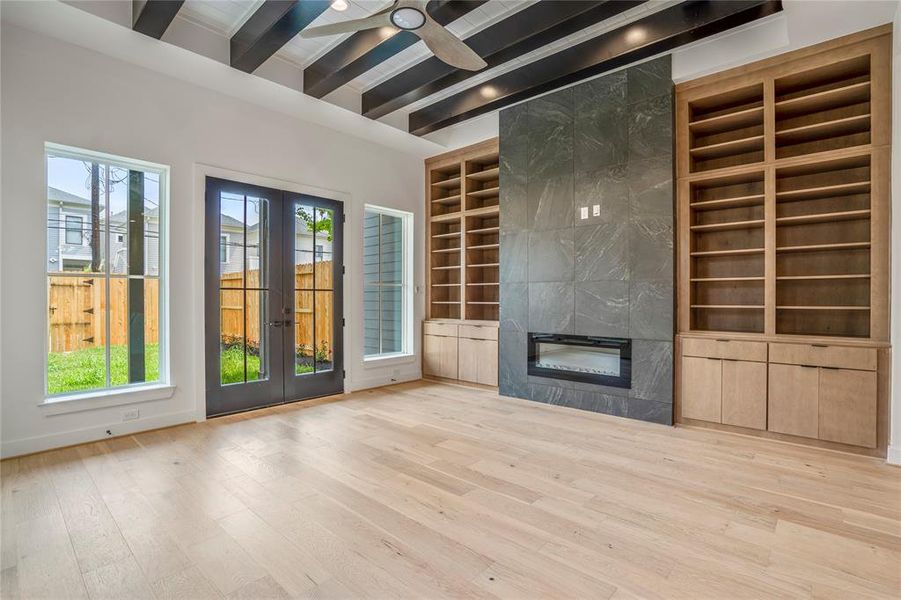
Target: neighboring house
[69, 238]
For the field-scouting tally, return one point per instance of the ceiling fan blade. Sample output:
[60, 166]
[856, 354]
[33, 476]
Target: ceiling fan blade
[448, 47]
[379, 19]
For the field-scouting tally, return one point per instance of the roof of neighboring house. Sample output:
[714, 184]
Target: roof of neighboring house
[58, 195]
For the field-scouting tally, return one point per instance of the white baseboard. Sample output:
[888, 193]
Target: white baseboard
[355, 385]
[40, 443]
[894, 455]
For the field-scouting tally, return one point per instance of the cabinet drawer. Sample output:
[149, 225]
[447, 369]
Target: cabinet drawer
[478, 332]
[731, 349]
[843, 357]
[436, 328]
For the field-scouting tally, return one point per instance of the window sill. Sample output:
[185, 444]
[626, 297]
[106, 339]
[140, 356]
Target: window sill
[388, 360]
[71, 403]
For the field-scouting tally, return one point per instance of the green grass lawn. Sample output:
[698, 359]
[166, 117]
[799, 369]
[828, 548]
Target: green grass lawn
[81, 370]
[86, 369]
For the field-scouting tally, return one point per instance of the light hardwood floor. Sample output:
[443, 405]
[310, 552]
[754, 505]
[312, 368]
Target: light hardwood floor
[427, 490]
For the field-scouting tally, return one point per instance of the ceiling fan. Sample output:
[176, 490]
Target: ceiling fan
[411, 15]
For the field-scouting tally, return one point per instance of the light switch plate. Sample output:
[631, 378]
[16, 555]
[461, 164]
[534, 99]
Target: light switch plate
[583, 212]
[596, 210]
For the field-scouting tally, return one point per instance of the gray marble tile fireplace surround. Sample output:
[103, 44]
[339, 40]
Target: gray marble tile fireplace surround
[608, 141]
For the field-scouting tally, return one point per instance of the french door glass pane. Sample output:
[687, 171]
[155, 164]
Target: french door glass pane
[231, 235]
[303, 332]
[256, 312]
[257, 243]
[231, 335]
[325, 325]
[303, 239]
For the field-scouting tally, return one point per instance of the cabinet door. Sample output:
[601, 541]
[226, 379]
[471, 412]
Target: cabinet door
[744, 394]
[439, 356]
[792, 400]
[847, 408]
[702, 388]
[478, 361]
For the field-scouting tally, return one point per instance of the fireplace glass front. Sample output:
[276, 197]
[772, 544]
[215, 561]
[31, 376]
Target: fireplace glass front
[601, 360]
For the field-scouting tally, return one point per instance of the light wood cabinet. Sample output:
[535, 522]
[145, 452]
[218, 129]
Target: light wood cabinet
[847, 406]
[702, 388]
[461, 350]
[478, 361]
[783, 221]
[792, 400]
[439, 356]
[744, 394]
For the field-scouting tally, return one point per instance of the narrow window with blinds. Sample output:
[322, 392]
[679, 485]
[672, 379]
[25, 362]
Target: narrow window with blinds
[387, 302]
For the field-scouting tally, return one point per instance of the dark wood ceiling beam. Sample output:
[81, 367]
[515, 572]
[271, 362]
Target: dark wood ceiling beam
[272, 26]
[152, 17]
[366, 49]
[522, 32]
[657, 33]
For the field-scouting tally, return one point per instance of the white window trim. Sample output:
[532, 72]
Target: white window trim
[139, 392]
[406, 354]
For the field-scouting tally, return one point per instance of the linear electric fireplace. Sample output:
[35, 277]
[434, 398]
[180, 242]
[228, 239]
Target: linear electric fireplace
[601, 360]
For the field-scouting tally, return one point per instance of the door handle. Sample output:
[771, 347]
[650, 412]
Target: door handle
[278, 323]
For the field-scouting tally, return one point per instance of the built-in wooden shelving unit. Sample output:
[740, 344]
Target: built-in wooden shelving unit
[463, 201]
[783, 219]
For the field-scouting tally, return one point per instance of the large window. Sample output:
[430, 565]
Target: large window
[387, 293]
[105, 271]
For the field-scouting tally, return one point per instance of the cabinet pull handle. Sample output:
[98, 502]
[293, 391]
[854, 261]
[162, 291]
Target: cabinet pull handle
[808, 366]
[724, 340]
[819, 345]
[711, 358]
[832, 368]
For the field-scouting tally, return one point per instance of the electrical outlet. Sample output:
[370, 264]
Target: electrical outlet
[596, 210]
[131, 415]
[583, 212]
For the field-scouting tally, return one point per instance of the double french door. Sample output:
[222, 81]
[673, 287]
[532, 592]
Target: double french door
[274, 314]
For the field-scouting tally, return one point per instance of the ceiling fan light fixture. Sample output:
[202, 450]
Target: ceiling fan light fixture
[407, 17]
[339, 5]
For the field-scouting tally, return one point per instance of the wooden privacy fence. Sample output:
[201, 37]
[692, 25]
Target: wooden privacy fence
[77, 306]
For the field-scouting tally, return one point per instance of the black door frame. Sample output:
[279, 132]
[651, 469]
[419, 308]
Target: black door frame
[277, 338]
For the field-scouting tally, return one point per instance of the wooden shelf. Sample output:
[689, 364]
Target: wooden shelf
[449, 200]
[445, 302]
[445, 285]
[846, 215]
[726, 306]
[823, 129]
[446, 235]
[733, 120]
[483, 247]
[854, 93]
[748, 144]
[445, 250]
[484, 265]
[481, 212]
[449, 268]
[484, 283]
[485, 230]
[486, 175]
[486, 193]
[823, 308]
[451, 183]
[737, 202]
[824, 247]
[728, 226]
[723, 279]
[737, 252]
[483, 303]
[454, 216]
[825, 191]
[820, 277]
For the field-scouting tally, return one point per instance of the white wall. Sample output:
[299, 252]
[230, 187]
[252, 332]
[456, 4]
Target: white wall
[55, 91]
[894, 449]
